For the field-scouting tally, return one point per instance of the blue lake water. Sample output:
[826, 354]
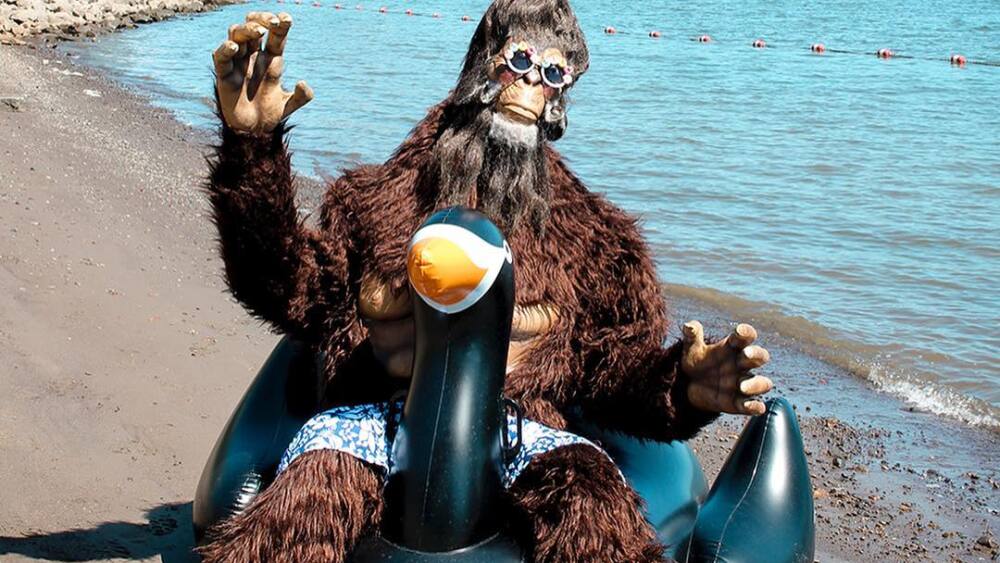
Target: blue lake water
[848, 202]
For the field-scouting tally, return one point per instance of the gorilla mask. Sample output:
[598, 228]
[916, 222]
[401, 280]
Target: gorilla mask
[510, 99]
[522, 60]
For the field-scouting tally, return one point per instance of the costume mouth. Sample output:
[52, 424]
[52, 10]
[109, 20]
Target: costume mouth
[519, 113]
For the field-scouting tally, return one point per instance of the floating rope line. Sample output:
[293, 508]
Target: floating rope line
[956, 60]
[384, 10]
[817, 48]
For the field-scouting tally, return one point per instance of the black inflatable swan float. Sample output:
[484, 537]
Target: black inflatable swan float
[443, 494]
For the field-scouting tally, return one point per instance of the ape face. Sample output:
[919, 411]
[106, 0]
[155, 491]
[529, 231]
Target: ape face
[529, 78]
[509, 100]
[523, 58]
[526, 86]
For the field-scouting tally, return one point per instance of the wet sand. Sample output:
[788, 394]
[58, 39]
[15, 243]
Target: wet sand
[123, 355]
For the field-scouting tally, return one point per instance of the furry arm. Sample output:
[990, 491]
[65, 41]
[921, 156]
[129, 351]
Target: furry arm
[313, 512]
[282, 271]
[628, 381]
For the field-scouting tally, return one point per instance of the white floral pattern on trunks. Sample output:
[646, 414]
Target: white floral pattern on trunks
[356, 430]
[361, 432]
[537, 439]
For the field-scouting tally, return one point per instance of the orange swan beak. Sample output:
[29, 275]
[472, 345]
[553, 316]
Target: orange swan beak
[442, 272]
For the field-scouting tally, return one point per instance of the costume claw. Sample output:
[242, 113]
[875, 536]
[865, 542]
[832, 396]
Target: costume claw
[743, 335]
[753, 357]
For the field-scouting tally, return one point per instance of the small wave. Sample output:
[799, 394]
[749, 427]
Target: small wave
[869, 362]
[933, 398]
[823, 169]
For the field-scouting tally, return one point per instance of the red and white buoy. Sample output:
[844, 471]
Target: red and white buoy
[958, 60]
[383, 10]
[610, 30]
[436, 15]
[818, 48]
[655, 34]
[338, 6]
[704, 39]
[758, 44]
[466, 18]
[409, 12]
[885, 54]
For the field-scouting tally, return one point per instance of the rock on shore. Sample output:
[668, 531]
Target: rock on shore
[70, 19]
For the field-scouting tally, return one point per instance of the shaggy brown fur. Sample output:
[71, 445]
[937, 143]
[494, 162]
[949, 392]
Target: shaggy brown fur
[605, 522]
[570, 505]
[578, 252]
[603, 354]
[313, 513]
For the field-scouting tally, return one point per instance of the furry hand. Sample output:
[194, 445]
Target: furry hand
[719, 378]
[248, 78]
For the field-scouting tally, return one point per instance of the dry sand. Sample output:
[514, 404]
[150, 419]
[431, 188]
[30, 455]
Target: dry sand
[122, 354]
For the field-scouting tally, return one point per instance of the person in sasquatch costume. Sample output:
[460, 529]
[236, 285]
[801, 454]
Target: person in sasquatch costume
[590, 322]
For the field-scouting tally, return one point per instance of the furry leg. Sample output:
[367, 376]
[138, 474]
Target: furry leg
[580, 510]
[313, 512]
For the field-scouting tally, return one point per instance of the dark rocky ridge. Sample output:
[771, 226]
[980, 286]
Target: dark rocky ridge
[70, 19]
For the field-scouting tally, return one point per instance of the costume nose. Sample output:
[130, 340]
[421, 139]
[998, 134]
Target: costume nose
[441, 271]
[533, 77]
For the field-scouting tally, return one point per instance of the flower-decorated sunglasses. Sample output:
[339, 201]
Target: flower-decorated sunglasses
[522, 57]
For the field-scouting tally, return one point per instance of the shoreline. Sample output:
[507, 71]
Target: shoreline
[67, 20]
[127, 355]
[868, 362]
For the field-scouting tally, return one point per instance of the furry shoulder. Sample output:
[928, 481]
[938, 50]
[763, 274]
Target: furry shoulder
[383, 204]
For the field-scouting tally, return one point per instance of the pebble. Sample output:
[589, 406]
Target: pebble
[986, 540]
[12, 103]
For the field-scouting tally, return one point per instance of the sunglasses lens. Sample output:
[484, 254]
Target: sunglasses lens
[520, 62]
[554, 76]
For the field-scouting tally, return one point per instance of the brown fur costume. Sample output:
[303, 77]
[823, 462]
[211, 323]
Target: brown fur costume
[604, 355]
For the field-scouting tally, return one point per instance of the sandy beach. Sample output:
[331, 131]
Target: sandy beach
[124, 355]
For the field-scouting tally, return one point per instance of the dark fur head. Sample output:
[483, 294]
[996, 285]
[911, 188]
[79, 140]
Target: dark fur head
[483, 160]
[544, 23]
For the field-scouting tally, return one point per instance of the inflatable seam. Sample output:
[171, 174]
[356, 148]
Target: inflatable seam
[746, 491]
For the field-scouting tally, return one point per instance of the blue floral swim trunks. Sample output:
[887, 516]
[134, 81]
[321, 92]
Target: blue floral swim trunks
[361, 431]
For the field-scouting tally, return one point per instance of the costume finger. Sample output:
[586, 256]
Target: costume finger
[246, 32]
[223, 58]
[277, 29]
[260, 31]
[247, 36]
[694, 345]
[743, 335]
[284, 22]
[757, 385]
[752, 408]
[263, 18]
[302, 95]
[694, 335]
[533, 320]
[752, 357]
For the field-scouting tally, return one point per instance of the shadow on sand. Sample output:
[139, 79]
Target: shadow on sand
[166, 533]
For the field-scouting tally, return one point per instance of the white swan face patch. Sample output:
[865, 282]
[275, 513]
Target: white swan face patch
[451, 268]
